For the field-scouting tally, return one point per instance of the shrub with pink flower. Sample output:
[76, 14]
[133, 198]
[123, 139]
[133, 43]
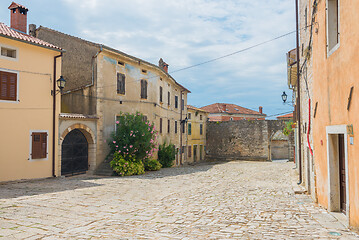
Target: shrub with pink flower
[134, 138]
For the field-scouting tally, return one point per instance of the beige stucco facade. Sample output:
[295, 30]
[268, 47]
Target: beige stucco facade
[110, 103]
[196, 134]
[31, 112]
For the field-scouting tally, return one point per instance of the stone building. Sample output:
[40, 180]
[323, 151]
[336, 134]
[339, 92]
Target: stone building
[196, 134]
[102, 82]
[222, 112]
[304, 106]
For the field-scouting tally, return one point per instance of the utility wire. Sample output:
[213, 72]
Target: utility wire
[218, 58]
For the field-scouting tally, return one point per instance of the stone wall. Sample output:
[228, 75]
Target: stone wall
[244, 140]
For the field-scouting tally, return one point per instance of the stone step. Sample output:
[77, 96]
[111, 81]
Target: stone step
[105, 169]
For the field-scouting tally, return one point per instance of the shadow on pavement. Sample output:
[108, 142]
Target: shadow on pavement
[41, 186]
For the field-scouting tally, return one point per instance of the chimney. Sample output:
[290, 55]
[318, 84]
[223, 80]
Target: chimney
[224, 107]
[163, 65]
[261, 110]
[18, 17]
[32, 30]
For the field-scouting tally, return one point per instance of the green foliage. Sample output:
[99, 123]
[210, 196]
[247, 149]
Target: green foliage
[166, 155]
[133, 137]
[152, 165]
[128, 167]
[289, 128]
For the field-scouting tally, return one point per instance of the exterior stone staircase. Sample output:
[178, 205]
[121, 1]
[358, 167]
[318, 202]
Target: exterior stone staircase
[105, 169]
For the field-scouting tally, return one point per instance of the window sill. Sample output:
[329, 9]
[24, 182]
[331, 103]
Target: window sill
[335, 48]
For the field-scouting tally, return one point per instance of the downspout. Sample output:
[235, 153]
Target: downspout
[182, 130]
[54, 117]
[298, 97]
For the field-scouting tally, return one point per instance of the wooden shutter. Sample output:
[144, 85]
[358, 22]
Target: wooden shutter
[175, 126]
[201, 129]
[145, 89]
[168, 126]
[8, 86]
[176, 101]
[189, 151]
[160, 125]
[161, 90]
[121, 83]
[39, 145]
[169, 98]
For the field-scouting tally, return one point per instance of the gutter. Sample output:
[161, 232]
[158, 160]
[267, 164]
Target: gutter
[54, 118]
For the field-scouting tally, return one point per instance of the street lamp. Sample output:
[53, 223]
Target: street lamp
[61, 82]
[284, 97]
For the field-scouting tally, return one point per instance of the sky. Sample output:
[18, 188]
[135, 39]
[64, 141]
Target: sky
[186, 33]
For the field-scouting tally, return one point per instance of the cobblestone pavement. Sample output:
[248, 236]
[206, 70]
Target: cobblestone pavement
[234, 200]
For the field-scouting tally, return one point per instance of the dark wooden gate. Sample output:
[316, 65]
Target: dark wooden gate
[342, 176]
[74, 153]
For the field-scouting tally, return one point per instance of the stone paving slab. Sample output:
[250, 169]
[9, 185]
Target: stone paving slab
[233, 200]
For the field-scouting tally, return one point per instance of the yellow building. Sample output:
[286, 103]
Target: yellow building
[196, 134]
[29, 68]
[102, 83]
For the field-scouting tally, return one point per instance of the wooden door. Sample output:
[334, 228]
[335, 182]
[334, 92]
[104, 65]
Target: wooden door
[194, 153]
[342, 176]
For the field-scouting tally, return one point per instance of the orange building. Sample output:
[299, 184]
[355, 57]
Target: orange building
[335, 104]
[224, 112]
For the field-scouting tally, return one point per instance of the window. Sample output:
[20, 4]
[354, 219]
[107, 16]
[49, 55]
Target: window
[182, 102]
[161, 90]
[169, 98]
[144, 71]
[189, 129]
[189, 151]
[121, 63]
[200, 117]
[168, 126]
[38, 145]
[144, 118]
[183, 128]
[201, 129]
[121, 83]
[8, 86]
[332, 24]
[231, 119]
[176, 101]
[189, 116]
[160, 125]
[7, 52]
[143, 89]
[175, 126]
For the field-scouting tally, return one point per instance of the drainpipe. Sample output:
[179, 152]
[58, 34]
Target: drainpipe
[181, 131]
[298, 97]
[54, 117]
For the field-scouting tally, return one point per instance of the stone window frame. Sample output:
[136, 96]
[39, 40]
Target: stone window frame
[16, 59]
[332, 49]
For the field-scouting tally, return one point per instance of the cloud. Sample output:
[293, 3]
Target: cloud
[188, 32]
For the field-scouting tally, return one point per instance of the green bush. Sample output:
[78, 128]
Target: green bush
[166, 155]
[152, 165]
[133, 137]
[125, 167]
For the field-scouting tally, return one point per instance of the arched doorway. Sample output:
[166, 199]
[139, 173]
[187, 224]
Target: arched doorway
[74, 158]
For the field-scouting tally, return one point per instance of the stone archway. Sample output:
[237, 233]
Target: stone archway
[78, 144]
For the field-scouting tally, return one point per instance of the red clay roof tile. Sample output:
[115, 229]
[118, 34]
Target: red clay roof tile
[6, 31]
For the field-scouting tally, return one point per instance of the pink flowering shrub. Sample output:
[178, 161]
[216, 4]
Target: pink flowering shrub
[134, 139]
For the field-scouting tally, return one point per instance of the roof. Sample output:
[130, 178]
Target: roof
[229, 108]
[102, 46]
[77, 116]
[8, 32]
[16, 5]
[196, 109]
[289, 115]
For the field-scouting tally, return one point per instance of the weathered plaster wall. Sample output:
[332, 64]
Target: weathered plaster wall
[334, 75]
[243, 140]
